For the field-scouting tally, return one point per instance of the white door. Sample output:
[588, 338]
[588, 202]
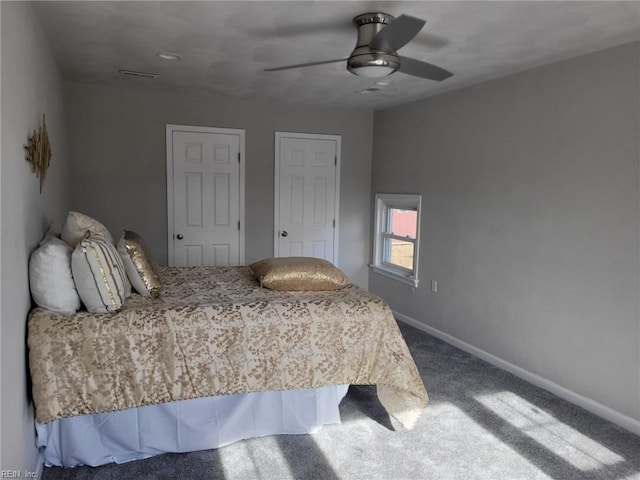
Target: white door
[205, 176]
[307, 195]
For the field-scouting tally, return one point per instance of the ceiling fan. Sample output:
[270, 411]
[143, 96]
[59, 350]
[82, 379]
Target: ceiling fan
[380, 35]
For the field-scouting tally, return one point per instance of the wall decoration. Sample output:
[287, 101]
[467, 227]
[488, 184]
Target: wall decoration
[39, 152]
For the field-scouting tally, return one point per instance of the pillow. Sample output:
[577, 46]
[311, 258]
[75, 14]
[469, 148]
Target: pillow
[142, 271]
[50, 277]
[78, 224]
[99, 274]
[298, 273]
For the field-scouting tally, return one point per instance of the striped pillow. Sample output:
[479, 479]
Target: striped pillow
[99, 274]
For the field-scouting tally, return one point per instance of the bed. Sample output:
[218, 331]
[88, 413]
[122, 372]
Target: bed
[215, 359]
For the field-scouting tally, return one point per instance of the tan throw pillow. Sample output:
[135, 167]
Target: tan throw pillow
[298, 273]
[78, 224]
[99, 274]
[141, 269]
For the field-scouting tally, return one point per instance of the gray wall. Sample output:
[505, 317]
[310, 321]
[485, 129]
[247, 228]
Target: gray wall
[31, 85]
[119, 163]
[530, 219]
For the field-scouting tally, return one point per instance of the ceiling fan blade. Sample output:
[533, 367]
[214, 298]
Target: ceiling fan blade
[418, 68]
[397, 34]
[310, 64]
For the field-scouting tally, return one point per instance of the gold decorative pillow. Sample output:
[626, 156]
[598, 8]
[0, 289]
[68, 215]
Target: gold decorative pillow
[142, 270]
[298, 273]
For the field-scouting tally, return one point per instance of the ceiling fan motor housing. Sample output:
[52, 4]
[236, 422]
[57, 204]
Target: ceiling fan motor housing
[369, 24]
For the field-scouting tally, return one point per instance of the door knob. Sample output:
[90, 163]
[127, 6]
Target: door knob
[179, 236]
[284, 233]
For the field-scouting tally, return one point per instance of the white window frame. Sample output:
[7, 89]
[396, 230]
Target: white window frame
[384, 202]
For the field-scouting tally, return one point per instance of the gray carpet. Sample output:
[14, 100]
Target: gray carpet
[481, 423]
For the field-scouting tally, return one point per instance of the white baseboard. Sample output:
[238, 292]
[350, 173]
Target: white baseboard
[39, 468]
[592, 406]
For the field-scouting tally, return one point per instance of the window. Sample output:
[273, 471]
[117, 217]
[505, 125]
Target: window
[397, 236]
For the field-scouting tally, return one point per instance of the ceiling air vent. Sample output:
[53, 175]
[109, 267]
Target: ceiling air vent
[138, 74]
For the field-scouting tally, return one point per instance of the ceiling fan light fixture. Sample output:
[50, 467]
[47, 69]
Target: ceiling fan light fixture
[374, 71]
[373, 65]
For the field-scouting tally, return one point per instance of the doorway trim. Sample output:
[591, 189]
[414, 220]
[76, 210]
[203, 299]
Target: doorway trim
[170, 129]
[276, 186]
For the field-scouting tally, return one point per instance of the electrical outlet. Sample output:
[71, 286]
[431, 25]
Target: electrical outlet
[434, 286]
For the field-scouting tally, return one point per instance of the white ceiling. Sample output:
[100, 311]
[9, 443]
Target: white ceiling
[225, 46]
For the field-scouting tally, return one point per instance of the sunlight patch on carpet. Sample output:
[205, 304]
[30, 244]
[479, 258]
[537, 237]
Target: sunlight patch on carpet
[567, 443]
[453, 427]
[247, 459]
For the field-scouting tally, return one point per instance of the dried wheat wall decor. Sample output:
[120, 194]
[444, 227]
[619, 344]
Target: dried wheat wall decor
[39, 152]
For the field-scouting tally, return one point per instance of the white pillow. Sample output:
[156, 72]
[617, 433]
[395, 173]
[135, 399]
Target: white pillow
[99, 274]
[77, 225]
[50, 277]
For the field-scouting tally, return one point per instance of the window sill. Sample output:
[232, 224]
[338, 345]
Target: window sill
[395, 275]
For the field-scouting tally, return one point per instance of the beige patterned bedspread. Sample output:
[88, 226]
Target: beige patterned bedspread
[215, 331]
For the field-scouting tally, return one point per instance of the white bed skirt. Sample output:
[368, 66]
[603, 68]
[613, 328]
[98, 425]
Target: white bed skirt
[186, 426]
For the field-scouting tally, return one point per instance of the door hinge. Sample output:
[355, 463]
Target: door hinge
[238, 157]
[334, 223]
[336, 160]
[238, 224]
